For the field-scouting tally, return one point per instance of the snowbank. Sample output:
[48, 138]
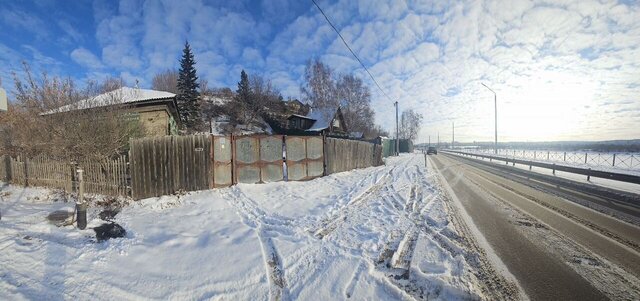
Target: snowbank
[377, 233]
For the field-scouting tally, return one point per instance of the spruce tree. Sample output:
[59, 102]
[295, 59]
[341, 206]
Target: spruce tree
[243, 97]
[188, 95]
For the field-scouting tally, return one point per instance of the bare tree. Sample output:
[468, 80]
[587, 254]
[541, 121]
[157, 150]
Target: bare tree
[166, 81]
[319, 88]
[356, 104]
[51, 116]
[410, 123]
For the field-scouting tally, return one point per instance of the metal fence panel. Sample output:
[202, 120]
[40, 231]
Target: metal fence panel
[221, 162]
[258, 159]
[305, 157]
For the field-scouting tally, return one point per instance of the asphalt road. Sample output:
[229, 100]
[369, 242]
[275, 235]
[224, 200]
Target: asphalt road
[557, 207]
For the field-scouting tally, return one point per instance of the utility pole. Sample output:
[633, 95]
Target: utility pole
[397, 132]
[495, 103]
[453, 133]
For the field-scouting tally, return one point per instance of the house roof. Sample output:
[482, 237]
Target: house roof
[323, 118]
[300, 116]
[124, 95]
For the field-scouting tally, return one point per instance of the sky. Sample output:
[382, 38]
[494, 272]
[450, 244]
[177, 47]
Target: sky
[562, 70]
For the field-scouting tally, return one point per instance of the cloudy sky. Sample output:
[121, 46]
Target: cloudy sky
[563, 70]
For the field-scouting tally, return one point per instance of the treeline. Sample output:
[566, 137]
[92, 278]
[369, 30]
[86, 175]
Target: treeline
[46, 114]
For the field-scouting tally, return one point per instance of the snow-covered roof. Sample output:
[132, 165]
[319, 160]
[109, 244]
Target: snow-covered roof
[300, 116]
[322, 116]
[124, 95]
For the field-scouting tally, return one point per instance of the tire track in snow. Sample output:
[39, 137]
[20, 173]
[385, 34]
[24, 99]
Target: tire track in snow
[275, 272]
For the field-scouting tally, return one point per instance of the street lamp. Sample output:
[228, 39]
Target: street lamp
[495, 102]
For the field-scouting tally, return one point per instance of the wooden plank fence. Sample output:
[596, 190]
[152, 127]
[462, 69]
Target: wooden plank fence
[159, 166]
[343, 155]
[108, 177]
[165, 165]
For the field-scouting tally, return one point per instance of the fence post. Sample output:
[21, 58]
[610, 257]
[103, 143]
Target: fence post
[81, 205]
[565, 157]
[534, 155]
[614, 159]
[26, 172]
[589, 175]
[425, 158]
[325, 160]
[547, 155]
[554, 168]
[7, 168]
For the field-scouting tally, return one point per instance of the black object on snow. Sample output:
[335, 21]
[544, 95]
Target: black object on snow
[108, 214]
[109, 230]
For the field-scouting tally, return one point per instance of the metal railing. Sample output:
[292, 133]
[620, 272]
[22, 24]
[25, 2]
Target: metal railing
[577, 170]
[625, 161]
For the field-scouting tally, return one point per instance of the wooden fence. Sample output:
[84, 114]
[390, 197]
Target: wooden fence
[343, 155]
[165, 165]
[4, 168]
[107, 177]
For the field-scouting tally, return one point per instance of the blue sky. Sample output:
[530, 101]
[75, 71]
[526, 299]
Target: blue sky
[563, 70]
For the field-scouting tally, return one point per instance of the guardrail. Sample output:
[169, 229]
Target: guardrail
[583, 171]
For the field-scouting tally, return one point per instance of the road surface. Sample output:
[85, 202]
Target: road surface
[546, 233]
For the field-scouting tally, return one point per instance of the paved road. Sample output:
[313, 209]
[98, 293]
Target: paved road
[527, 222]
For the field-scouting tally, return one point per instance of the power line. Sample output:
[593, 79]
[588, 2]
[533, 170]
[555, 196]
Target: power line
[350, 50]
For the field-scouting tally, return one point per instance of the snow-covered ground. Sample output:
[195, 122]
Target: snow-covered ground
[627, 163]
[378, 233]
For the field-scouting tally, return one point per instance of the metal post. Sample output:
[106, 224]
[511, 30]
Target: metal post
[565, 157]
[397, 131]
[81, 205]
[585, 158]
[495, 103]
[589, 175]
[547, 156]
[614, 160]
[453, 133]
[554, 168]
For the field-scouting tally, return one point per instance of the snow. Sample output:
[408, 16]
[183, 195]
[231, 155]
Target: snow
[124, 95]
[353, 234]
[322, 116]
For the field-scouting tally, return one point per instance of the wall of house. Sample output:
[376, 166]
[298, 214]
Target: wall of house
[155, 123]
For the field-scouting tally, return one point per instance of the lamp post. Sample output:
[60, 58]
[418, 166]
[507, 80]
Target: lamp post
[495, 102]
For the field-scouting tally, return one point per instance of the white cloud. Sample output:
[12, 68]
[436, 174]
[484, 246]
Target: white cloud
[86, 58]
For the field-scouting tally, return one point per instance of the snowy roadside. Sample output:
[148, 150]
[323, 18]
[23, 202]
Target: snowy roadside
[377, 233]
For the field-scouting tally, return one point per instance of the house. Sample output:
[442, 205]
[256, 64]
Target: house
[294, 105]
[319, 121]
[157, 111]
